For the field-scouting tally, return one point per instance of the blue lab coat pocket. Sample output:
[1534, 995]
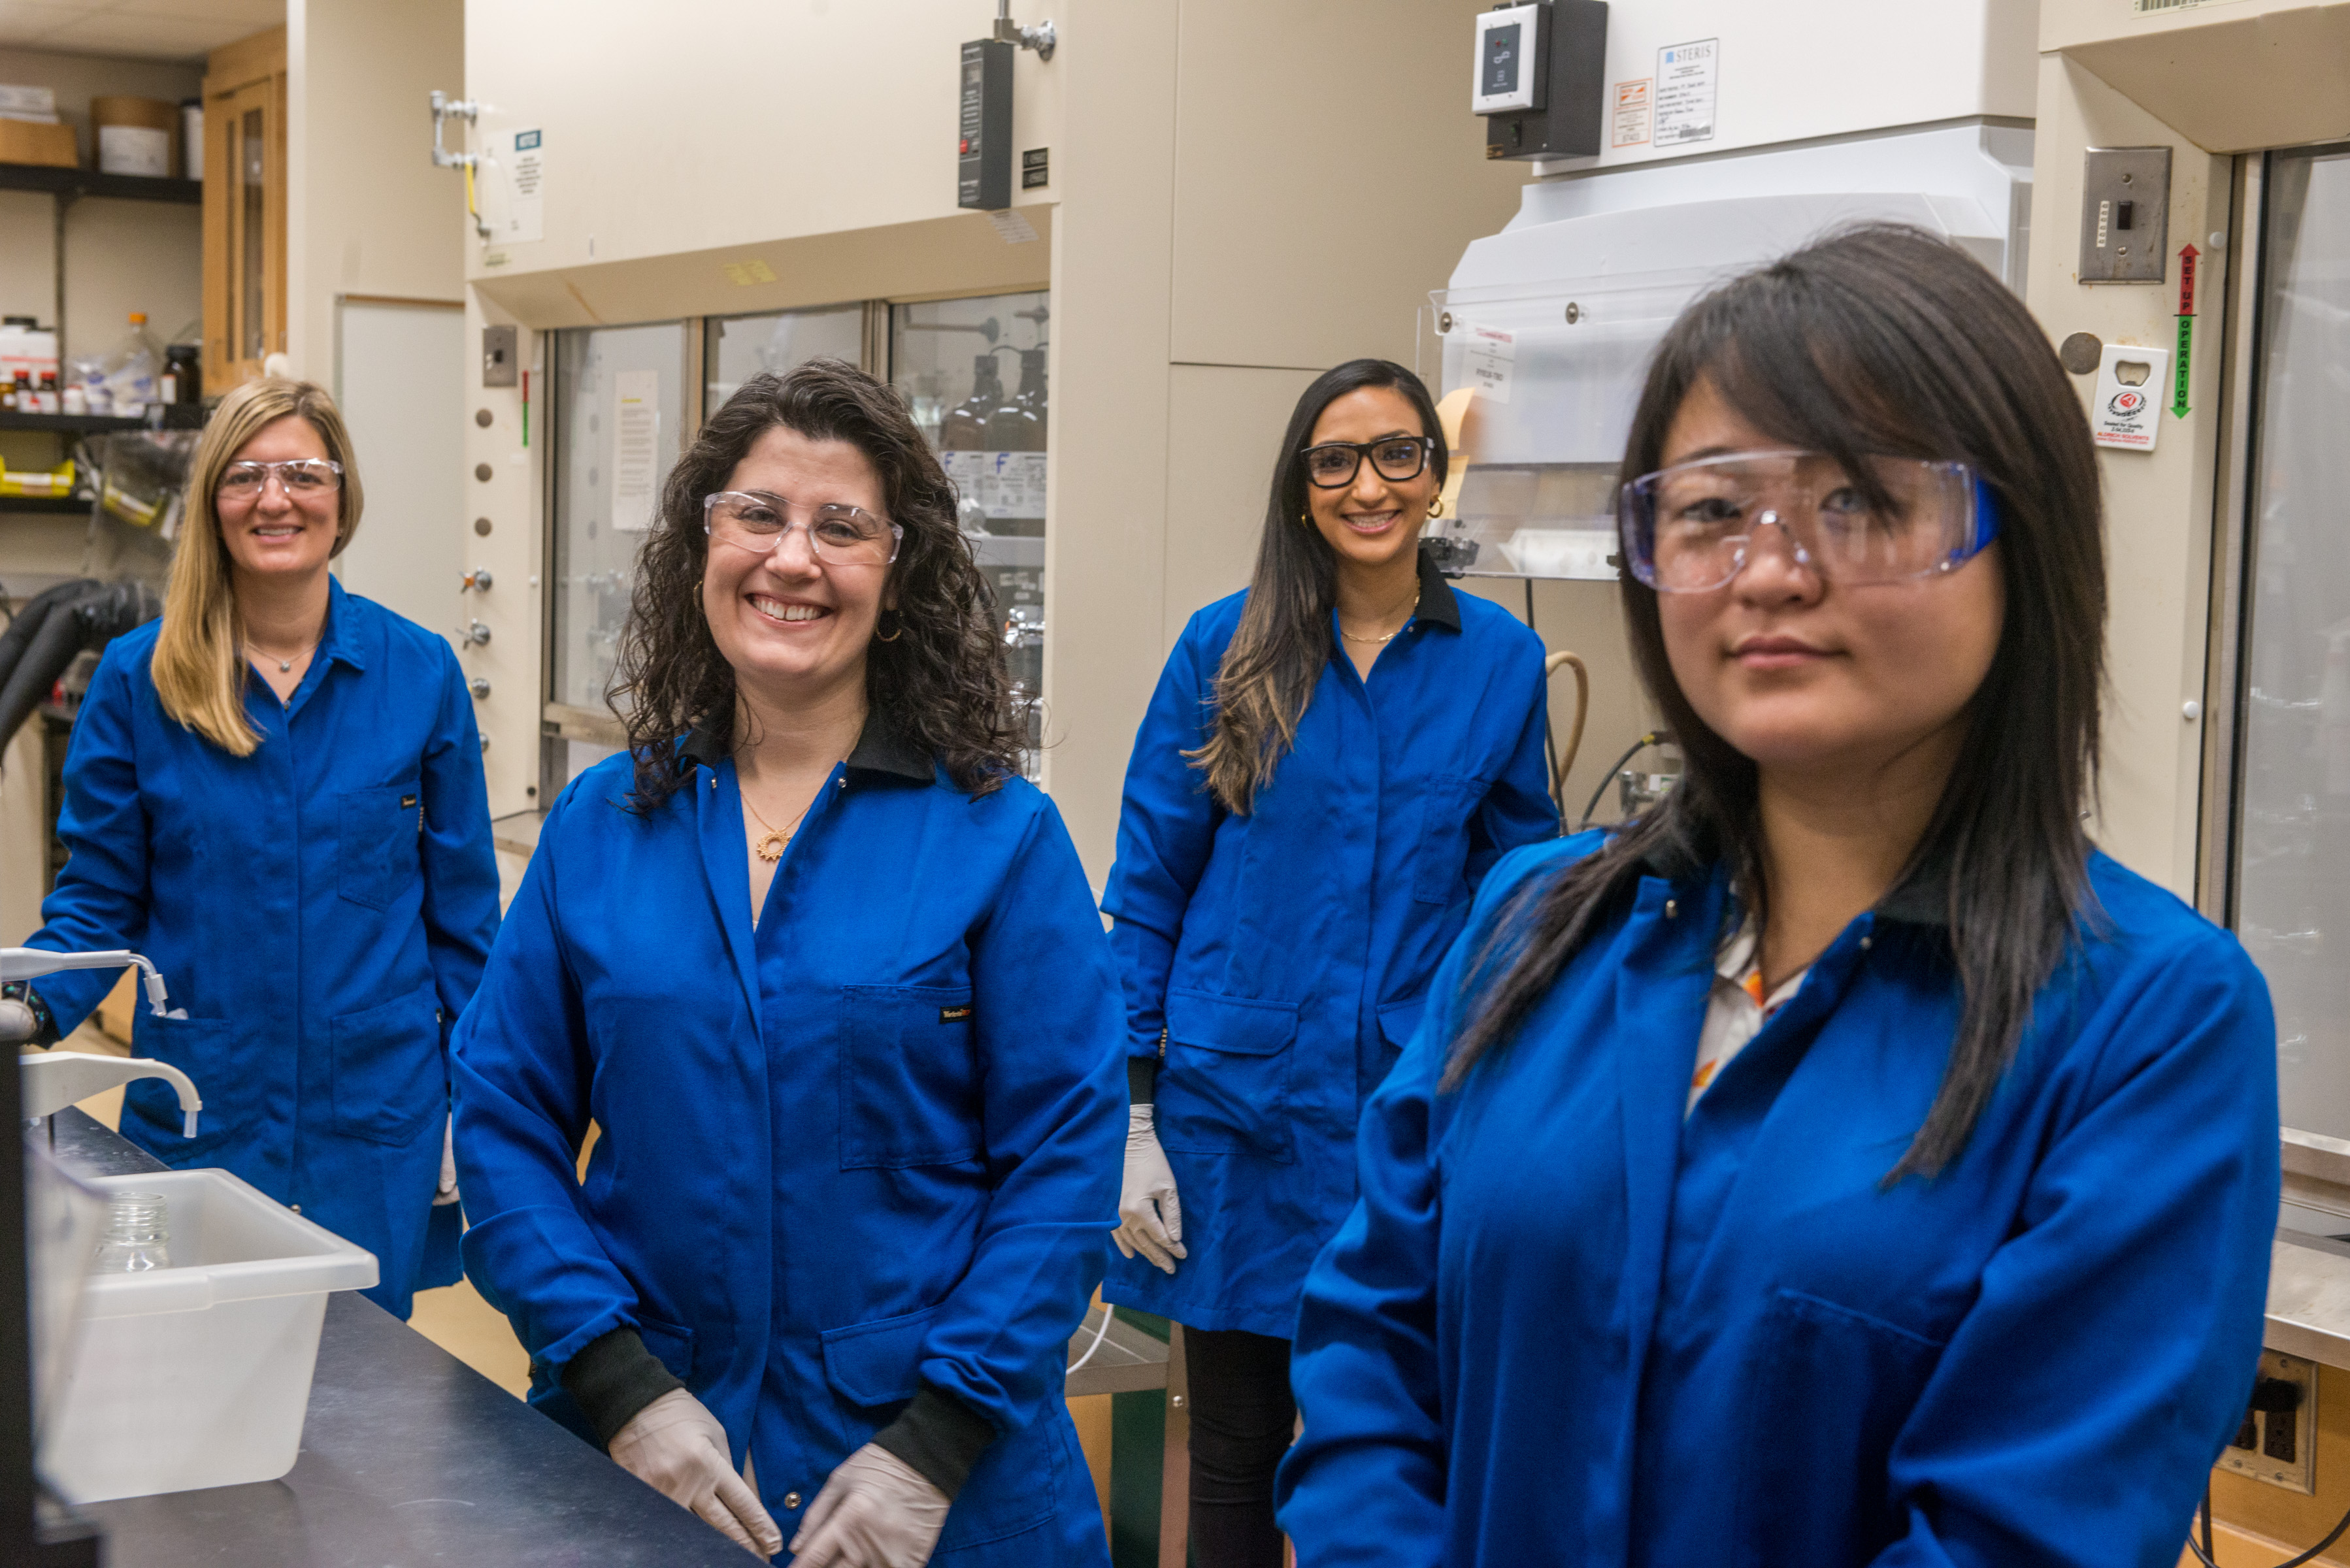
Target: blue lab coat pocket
[908, 1077]
[1846, 1382]
[1225, 1088]
[1440, 875]
[390, 1078]
[376, 842]
[870, 1364]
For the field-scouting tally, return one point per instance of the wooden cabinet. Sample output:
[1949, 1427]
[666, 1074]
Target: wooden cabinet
[244, 208]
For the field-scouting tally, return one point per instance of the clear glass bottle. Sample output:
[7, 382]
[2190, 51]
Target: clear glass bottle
[138, 1235]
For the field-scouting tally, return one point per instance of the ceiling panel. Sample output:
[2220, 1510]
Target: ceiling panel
[138, 29]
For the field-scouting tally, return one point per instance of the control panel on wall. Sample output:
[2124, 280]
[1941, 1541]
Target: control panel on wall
[1540, 78]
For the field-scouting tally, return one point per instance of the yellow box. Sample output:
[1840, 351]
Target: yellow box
[26, 141]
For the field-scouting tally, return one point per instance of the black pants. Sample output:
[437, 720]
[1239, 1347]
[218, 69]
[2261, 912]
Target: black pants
[1242, 1421]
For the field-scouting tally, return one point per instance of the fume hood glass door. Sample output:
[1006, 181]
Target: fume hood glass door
[2292, 829]
[737, 348]
[619, 422]
[972, 371]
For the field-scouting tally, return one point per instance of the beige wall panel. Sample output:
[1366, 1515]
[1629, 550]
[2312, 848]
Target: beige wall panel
[2198, 68]
[366, 211]
[1109, 477]
[958, 254]
[1225, 425]
[123, 256]
[1329, 175]
[693, 129]
[2157, 504]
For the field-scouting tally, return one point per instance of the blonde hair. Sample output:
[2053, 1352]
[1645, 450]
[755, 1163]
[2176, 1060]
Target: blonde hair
[198, 672]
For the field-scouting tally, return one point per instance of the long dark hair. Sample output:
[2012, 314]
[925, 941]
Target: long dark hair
[941, 684]
[1883, 339]
[1282, 641]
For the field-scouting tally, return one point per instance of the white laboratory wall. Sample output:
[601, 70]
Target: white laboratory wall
[1791, 73]
[396, 382]
[367, 214]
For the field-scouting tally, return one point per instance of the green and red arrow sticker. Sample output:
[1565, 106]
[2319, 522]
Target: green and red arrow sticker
[2187, 254]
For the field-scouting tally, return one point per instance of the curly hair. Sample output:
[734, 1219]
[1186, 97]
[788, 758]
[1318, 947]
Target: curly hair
[940, 684]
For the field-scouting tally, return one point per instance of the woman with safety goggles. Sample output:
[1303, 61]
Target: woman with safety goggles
[825, 973]
[1332, 762]
[274, 793]
[1845, 1163]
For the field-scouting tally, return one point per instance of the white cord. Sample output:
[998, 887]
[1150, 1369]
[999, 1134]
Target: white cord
[1099, 1334]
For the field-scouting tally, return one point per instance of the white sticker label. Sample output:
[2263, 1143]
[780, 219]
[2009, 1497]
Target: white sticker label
[2127, 412]
[527, 204]
[1488, 361]
[1633, 103]
[636, 448]
[1685, 84]
[1004, 484]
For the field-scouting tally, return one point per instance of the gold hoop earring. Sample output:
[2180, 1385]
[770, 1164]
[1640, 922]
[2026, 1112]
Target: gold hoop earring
[893, 636]
[1436, 507]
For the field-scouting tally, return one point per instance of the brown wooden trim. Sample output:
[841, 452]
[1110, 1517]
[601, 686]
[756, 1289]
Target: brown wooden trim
[399, 299]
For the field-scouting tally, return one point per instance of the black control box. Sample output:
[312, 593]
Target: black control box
[984, 153]
[1571, 122]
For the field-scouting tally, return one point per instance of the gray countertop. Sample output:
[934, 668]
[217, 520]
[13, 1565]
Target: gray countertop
[409, 1458]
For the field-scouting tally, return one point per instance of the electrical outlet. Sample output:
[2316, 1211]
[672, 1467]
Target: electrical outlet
[2277, 1441]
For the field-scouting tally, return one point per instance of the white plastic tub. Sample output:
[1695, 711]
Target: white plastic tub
[198, 1375]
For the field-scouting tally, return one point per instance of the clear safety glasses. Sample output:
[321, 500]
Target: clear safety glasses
[298, 476]
[1694, 527]
[838, 534]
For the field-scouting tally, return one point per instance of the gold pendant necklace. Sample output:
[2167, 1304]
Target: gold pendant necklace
[771, 847]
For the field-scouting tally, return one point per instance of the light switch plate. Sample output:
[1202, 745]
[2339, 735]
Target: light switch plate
[2125, 214]
[501, 366]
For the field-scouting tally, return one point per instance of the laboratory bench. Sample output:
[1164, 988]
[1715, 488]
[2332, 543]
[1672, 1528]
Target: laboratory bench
[409, 1456]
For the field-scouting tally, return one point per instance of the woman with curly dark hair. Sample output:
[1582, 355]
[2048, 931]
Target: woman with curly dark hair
[825, 973]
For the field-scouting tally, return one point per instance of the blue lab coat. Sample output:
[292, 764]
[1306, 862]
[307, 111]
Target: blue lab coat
[871, 1145]
[320, 911]
[1286, 953]
[1564, 1326]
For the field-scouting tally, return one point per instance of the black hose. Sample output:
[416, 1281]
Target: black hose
[2204, 1554]
[100, 614]
[1653, 737]
[28, 617]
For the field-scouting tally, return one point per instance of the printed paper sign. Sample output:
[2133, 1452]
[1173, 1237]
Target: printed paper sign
[2127, 412]
[525, 205]
[636, 448]
[1685, 84]
[1632, 104]
[1004, 484]
[1488, 361]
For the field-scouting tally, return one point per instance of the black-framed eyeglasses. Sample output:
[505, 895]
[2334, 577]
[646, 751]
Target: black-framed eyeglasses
[1333, 464]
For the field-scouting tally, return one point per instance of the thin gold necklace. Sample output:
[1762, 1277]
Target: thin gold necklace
[1390, 637]
[771, 847]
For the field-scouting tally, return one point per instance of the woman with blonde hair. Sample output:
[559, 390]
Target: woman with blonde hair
[274, 792]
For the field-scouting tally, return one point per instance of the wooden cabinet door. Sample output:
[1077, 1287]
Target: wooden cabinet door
[245, 209]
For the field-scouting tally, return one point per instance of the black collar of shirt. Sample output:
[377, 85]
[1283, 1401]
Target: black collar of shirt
[880, 748]
[1437, 605]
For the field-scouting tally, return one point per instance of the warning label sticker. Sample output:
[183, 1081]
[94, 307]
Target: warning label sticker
[1634, 103]
[1489, 362]
[1685, 91]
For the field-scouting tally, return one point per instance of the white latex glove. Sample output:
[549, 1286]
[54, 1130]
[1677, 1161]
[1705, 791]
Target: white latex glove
[676, 1446]
[447, 1192]
[1150, 1217]
[875, 1511]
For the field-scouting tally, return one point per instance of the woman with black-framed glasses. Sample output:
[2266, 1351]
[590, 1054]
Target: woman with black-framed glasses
[1333, 760]
[1844, 1164]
